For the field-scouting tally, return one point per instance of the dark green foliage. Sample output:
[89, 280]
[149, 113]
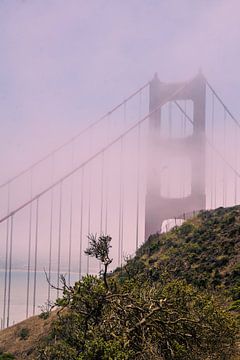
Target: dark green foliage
[59, 351]
[146, 312]
[46, 310]
[44, 315]
[23, 333]
[204, 251]
[99, 248]
[6, 356]
[137, 320]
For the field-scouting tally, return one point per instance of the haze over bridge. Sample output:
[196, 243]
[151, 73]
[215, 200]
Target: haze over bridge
[166, 151]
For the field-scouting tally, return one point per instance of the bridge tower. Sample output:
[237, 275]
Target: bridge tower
[158, 207]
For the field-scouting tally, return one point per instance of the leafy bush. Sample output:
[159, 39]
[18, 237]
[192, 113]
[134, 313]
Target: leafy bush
[138, 317]
[23, 333]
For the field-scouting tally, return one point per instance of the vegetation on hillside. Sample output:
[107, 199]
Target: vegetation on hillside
[204, 251]
[157, 306]
[178, 298]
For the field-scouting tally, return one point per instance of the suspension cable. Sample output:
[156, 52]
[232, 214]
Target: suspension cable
[6, 260]
[10, 271]
[50, 250]
[35, 257]
[224, 152]
[236, 134]
[89, 214]
[50, 236]
[109, 123]
[222, 103]
[211, 145]
[81, 225]
[74, 138]
[70, 222]
[70, 234]
[120, 205]
[101, 202]
[94, 156]
[29, 247]
[59, 237]
[29, 258]
[138, 171]
[138, 183]
[101, 193]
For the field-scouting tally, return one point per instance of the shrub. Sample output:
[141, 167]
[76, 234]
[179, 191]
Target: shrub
[23, 333]
[139, 318]
[6, 356]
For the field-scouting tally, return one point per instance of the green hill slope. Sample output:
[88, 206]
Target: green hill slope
[177, 299]
[205, 251]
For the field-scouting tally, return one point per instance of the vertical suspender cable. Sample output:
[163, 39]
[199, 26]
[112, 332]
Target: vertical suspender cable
[101, 195]
[70, 233]
[59, 237]
[108, 123]
[106, 205]
[70, 220]
[224, 152]
[184, 135]
[101, 200]
[81, 225]
[170, 118]
[6, 258]
[5, 272]
[29, 247]
[120, 205]
[89, 214]
[89, 198]
[122, 222]
[10, 271]
[35, 257]
[213, 187]
[50, 250]
[50, 237]
[138, 183]
[212, 161]
[138, 170]
[122, 210]
[236, 133]
[29, 258]
[170, 136]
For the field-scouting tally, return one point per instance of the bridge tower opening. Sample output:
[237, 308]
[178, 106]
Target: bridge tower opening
[159, 207]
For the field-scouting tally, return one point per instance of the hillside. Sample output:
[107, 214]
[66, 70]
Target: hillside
[21, 339]
[203, 252]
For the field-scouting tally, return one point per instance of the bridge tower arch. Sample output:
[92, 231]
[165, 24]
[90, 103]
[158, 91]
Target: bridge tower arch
[158, 207]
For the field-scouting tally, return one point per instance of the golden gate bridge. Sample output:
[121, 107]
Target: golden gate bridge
[167, 150]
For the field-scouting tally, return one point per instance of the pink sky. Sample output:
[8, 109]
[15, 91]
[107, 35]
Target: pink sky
[64, 63]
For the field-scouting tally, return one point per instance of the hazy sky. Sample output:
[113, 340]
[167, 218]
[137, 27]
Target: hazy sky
[65, 62]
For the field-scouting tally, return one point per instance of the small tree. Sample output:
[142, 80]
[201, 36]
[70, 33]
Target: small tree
[138, 319]
[99, 248]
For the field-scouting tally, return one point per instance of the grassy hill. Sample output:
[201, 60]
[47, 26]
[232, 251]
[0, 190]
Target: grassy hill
[164, 295]
[205, 251]
[21, 339]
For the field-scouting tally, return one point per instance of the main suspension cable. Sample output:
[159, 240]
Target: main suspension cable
[74, 138]
[94, 156]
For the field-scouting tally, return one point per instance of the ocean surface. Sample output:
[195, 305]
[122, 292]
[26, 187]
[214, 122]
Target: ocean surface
[18, 294]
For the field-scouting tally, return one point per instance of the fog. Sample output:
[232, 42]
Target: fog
[66, 63]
